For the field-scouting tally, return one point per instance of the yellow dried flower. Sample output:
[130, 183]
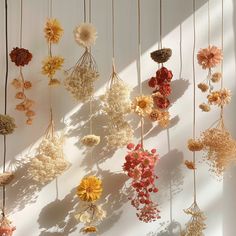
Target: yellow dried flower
[195, 145]
[220, 97]
[90, 189]
[53, 30]
[203, 87]
[51, 64]
[89, 229]
[142, 105]
[205, 107]
[216, 77]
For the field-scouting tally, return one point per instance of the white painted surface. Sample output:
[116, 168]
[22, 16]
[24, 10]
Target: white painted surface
[36, 210]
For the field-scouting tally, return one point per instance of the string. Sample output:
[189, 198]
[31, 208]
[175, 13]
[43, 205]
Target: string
[222, 48]
[160, 24]
[90, 11]
[209, 23]
[21, 22]
[84, 11]
[139, 64]
[5, 107]
[194, 98]
[113, 36]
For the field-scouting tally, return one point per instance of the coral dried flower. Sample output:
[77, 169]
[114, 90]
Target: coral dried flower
[90, 189]
[53, 30]
[209, 57]
[20, 56]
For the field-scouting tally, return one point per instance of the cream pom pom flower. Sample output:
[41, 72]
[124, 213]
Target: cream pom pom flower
[85, 35]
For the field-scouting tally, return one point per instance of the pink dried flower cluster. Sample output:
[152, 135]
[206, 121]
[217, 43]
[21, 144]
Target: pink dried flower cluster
[139, 166]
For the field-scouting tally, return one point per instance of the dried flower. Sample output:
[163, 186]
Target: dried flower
[90, 140]
[161, 102]
[205, 107]
[216, 77]
[89, 229]
[195, 145]
[48, 162]
[219, 147]
[6, 228]
[6, 178]
[85, 35]
[209, 57]
[196, 224]
[7, 124]
[17, 83]
[142, 105]
[27, 84]
[53, 30]
[161, 55]
[203, 87]
[20, 95]
[90, 189]
[163, 75]
[154, 115]
[20, 56]
[190, 165]
[139, 166]
[220, 97]
[164, 119]
[50, 65]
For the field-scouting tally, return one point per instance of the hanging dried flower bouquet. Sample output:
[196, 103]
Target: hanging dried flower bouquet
[89, 191]
[80, 78]
[51, 64]
[49, 161]
[140, 167]
[162, 89]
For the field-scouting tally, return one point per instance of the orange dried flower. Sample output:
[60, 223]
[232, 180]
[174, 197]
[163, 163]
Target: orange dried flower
[203, 87]
[205, 107]
[20, 95]
[20, 107]
[27, 84]
[29, 121]
[53, 30]
[28, 103]
[195, 145]
[16, 83]
[30, 113]
[216, 77]
[190, 165]
[209, 57]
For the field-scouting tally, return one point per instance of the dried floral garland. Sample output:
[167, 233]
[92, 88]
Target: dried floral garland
[51, 64]
[208, 59]
[140, 167]
[49, 161]
[6, 228]
[196, 225]
[116, 104]
[89, 191]
[162, 89]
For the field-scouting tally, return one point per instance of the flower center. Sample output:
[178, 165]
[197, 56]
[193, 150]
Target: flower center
[142, 104]
[89, 190]
[211, 55]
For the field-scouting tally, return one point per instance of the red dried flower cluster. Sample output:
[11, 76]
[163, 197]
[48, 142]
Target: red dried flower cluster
[162, 88]
[139, 166]
[20, 56]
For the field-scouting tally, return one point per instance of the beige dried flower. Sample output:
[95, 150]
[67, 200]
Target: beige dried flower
[203, 87]
[164, 119]
[205, 107]
[90, 140]
[195, 145]
[154, 115]
[85, 35]
[6, 178]
[216, 77]
[142, 105]
[220, 97]
[7, 124]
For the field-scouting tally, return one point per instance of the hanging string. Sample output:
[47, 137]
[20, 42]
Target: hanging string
[21, 22]
[139, 64]
[222, 48]
[5, 106]
[113, 37]
[50, 3]
[160, 24]
[85, 11]
[194, 99]
[209, 22]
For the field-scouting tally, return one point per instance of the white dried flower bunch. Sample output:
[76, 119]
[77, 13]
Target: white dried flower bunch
[80, 82]
[91, 214]
[90, 140]
[85, 35]
[49, 162]
[116, 104]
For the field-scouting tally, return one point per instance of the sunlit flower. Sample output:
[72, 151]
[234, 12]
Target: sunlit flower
[209, 57]
[53, 30]
[85, 35]
[220, 97]
[142, 105]
[90, 189]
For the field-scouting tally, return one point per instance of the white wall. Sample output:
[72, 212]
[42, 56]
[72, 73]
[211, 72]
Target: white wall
[37, 210]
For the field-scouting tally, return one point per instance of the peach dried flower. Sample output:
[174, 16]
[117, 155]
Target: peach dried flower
[20, 95]
[20, 107]
[205, 107]
[195, 145]
[27, 84]
[209, 57]
[216, 77]
[190, 165]
[16, 83]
